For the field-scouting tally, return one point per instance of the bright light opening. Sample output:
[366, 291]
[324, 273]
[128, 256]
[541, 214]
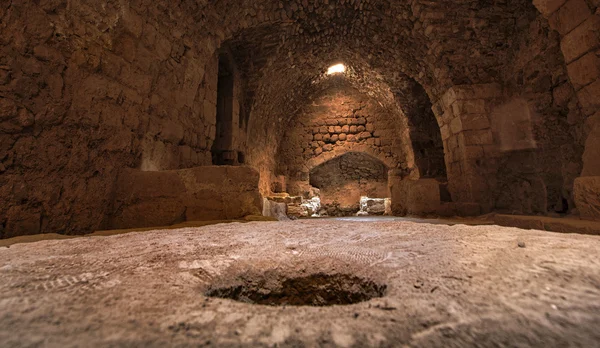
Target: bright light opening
[338, 68]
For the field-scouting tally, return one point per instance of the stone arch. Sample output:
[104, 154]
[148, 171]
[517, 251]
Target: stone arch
[344, 179]
[300, 39]
[353, 148]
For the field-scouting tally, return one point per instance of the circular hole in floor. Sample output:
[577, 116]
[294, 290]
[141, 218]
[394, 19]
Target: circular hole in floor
[313, 290]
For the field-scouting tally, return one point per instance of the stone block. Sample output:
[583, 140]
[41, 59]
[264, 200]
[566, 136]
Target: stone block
[591, 154]
[22, 220]
[162, 198]
[478, 137]
[569, 16]
[589, 98]
[132, 23]
[475, 121]
[456, 125]
[547, 7]
[210, 112]
[584, 70]
[586, 192]
[581, 39]
[414, 196]
[478, 91]
[275, 210]
[172, 131]
[8, 109]
[473, 106]
[471, 152]
[445, 132]
[364, 135]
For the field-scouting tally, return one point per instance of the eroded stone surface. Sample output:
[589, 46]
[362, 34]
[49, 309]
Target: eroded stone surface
[90, 88]
[587, 197]
[146, 199]
[446, 285]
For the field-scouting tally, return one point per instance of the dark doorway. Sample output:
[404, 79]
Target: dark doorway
[222, 153]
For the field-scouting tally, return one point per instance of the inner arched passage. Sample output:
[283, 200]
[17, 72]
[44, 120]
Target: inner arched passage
[338, 119]
[426, 139]
[342, 182]
[284, 53]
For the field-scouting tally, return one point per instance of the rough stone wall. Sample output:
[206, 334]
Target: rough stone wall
[339, 121]
[516, 146]
[88, 88]
[538, 177]
[149, 199]
[344, 179]
[463, 114]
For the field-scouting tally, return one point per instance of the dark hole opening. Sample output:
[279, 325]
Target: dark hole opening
[313, 290]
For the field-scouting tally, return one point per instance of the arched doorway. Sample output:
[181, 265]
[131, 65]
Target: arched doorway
[343, 180]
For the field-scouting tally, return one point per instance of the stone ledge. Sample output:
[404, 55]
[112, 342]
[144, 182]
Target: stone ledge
[146, 199]
[545, 223]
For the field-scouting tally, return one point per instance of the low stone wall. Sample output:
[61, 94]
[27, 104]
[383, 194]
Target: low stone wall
[414, 196]
[147, 199]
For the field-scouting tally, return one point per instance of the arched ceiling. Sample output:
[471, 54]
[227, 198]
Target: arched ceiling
[284, 47]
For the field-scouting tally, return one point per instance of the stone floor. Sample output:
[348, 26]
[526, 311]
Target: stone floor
[446, 286]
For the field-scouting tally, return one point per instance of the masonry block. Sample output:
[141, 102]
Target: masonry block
[581, 39]
[586, 192]
[584, 70]
[414, 196]
[547, 7]
[162, 198]
[569, 16]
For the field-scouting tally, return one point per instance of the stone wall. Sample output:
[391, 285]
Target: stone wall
[88, 88]
[339, 121]
[163, 198]
[463, 114]
[542, 172]
[345, 179]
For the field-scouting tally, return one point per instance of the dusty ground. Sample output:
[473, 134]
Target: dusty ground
[447, 286]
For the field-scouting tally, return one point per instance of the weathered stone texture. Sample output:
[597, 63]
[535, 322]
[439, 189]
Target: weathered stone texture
[344, 180]
[587, 197]
[315, 135]
[418, 197]
[89, 88]
[163, 198]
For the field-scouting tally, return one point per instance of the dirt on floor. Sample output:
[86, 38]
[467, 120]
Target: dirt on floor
[410, 284]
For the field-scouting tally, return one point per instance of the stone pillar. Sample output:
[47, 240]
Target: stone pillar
[578, 23]
[463, 114]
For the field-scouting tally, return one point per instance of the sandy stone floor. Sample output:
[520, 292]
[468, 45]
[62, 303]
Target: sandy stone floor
[447, 286]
